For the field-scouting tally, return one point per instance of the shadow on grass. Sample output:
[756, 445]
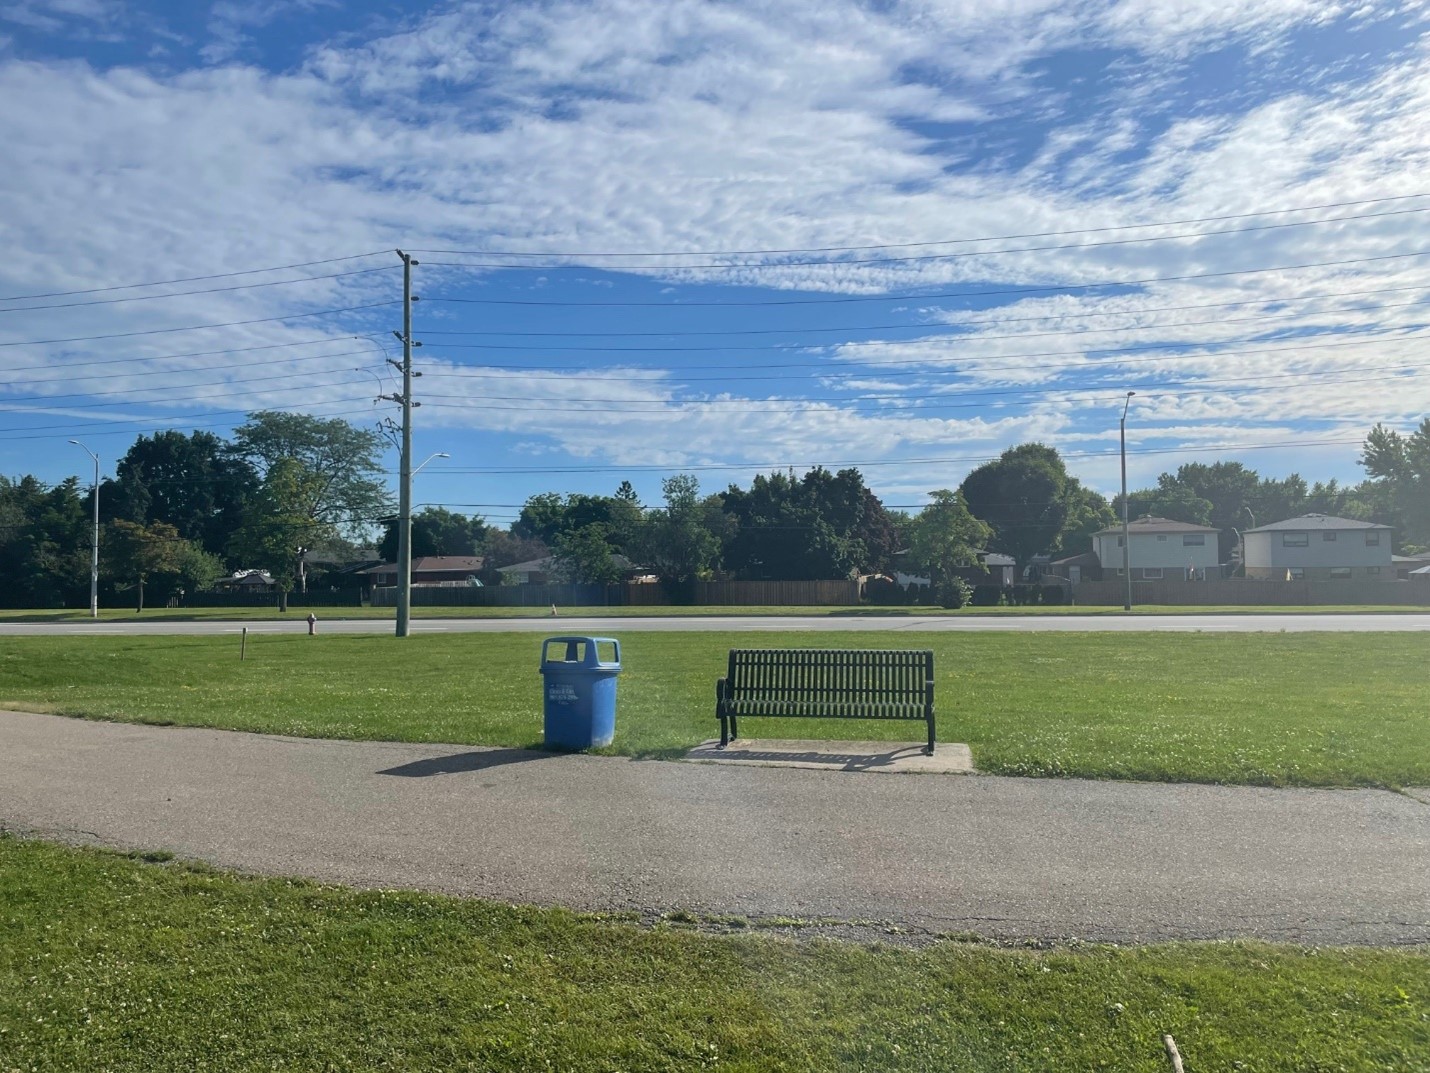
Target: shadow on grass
[458, 763]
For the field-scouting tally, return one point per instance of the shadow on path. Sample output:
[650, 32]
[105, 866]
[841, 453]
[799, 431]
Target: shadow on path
[458, 763]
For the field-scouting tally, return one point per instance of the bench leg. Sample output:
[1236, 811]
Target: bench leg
[724, 732]
[930, 748]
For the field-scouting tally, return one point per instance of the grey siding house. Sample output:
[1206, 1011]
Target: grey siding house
[1319, 547]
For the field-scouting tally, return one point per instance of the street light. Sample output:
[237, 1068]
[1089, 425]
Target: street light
[438, 454]
[1126, 542]
[94, 544]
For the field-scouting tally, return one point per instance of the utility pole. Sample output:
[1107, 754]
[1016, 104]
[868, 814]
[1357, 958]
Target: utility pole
[404, 494]
[1126, 536]
[94, 543]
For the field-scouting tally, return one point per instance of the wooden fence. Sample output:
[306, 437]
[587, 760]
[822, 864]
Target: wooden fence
[1252, 592]
[697, 594]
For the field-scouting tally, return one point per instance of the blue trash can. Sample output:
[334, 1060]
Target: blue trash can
[580, 691]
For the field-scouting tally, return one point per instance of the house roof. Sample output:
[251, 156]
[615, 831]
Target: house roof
[1085, 558]
[433, 564]
[1425, 570]
[1423, 559]
[1315, 521]
[531, 566]
[1150, 524]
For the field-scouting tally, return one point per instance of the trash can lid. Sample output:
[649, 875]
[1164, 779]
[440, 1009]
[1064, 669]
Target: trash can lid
[591, 657]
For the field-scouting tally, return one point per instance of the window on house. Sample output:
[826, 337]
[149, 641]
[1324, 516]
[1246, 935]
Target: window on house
[1328, 535]
[1372, 539]
[1161, 536]
[1372, 569]
[1297, 573]
[1295, 540]
[1152, 573]
[1193, 540]
[1119, 542]
[1339, 572]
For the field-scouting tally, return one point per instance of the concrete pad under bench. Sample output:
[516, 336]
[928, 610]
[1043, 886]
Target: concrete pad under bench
[884, 756]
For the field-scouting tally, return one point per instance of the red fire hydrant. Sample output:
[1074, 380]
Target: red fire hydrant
[312, 624]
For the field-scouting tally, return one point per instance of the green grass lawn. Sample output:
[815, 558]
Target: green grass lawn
[111, 963]
[1319, 709]
[296, 614]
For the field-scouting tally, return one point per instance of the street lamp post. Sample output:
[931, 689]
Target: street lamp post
[404, 549]
[94, 543]
[1126, 541]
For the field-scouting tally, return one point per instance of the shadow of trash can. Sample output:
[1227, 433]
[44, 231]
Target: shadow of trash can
[579, 691]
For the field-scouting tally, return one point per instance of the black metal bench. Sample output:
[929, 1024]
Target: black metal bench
[814, 683]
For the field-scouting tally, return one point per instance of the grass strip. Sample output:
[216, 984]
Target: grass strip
[297, 614]
[1305, 709]
[116, 963]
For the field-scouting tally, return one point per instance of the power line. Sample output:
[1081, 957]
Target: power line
[951, 327]
[194, 279]
[114, 428]
[869, 463]
[206, 290]
[773, 265]
[199, 327]
[1368, 335]
[210, 353]
[60, 378]
[935, 242]
[168, 399]
[1061, 287]
[904, 405]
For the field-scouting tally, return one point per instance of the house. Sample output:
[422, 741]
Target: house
[1077, 568]
[548, 571]
[1159, 548]
[1319, 547]
[533, 572]
[434, 571]
[246, 581]
[1406, 565]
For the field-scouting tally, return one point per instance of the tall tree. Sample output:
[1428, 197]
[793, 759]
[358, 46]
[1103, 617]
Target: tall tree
[585, 556]
[1023, 497]
[135, 553]
[281, 523]
[547, 516]
[437, 531]
[1399, 469]
[193, 483]
[681, 540]
[945, 536]
[822, 525]
[45, 539]
[342, 478]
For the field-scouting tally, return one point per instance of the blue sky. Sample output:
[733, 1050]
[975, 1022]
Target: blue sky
[1004, 215]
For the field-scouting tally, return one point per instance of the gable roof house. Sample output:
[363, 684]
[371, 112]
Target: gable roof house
[435, 571]
[1159, 548]
[1319, 547]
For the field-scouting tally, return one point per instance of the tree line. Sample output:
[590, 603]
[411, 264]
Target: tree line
[291, 494]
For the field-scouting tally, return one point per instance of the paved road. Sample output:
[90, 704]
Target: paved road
[1295, 623]
[1001, 857]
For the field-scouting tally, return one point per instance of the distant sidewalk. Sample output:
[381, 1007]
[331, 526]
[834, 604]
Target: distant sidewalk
[1008, 858]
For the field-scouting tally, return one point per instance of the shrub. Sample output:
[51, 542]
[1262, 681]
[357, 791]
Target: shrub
[986, 596]
[1054, 595]
[957, 593]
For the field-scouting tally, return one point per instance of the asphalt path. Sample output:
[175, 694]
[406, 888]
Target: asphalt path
[1218, 623]
[1006, 858]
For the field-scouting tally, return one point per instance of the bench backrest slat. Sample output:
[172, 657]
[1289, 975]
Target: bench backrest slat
[838, 676]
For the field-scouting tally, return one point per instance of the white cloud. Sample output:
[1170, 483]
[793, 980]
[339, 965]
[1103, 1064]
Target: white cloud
[625, 125]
